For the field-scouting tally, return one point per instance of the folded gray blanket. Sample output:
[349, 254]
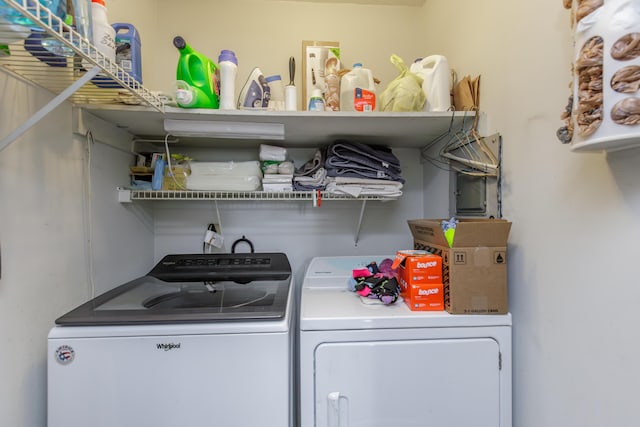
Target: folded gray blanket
[347, 158]
[364, 173]
[370, 155]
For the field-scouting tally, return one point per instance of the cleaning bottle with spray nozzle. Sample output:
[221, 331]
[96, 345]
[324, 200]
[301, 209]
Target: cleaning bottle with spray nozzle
[199, 72]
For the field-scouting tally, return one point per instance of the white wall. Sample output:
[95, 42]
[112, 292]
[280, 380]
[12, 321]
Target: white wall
[572, 265]
[265, 33]
[42, 234]
[63, 236]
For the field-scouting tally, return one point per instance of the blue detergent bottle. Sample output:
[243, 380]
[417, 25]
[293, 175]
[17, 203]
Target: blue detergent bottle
[128, 49]
[128, 54]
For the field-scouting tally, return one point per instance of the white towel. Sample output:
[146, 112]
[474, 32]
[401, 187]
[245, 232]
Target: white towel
[364, 187]
[319, 178]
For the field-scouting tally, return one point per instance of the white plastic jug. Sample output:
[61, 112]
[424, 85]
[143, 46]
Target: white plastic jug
[357, 90]
[436, 86]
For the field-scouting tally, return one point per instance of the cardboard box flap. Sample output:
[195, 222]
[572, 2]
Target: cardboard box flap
[469, 232]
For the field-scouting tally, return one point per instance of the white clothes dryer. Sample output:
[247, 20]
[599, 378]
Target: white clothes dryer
[363, 365]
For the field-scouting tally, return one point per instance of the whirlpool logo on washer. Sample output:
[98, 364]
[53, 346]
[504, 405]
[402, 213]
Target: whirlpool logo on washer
[65, 354]
[168, 346]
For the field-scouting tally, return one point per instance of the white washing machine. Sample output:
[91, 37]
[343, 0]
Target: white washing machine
[364, 365]
[202, 340]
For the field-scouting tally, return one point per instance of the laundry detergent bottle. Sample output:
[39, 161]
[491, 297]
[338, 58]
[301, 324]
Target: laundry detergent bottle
[199, 72]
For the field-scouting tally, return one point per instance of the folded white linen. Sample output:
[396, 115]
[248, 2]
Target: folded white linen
[364, 187]
[364, 181]
[276, 178]
[318, 178]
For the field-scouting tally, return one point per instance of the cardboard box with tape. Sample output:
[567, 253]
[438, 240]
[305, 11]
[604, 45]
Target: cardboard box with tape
[474, 267]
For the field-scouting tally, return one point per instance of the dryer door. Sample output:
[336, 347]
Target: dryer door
[440, 382]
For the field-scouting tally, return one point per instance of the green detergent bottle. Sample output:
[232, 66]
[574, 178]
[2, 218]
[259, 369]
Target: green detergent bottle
[199, 72]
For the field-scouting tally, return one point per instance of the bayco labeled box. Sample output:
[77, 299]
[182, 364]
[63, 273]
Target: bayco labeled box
[474, 268]
[420, 278]
[418, 266]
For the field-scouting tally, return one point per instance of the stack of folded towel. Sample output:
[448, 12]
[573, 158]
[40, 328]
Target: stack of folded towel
[278, 171]
[358, 169]
[312, 175]
[224, 176]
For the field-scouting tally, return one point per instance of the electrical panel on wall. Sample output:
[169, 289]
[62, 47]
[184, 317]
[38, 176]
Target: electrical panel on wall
[478, 193]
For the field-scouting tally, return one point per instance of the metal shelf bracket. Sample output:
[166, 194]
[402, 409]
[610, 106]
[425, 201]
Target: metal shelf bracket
[359, 224]
[51, 105]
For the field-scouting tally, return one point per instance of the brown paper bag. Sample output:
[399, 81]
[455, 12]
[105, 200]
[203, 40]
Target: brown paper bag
[466, 94]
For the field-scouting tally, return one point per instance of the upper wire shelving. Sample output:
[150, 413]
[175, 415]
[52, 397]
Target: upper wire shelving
[73, 77]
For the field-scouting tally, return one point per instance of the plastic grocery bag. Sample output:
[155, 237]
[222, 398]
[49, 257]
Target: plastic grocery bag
[404, 93]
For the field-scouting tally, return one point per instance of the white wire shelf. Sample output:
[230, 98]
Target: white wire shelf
[128, 195]
[68, 70]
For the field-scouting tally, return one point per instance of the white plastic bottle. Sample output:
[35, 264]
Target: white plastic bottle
[104, 36]
[228, 65]
[357, 90]
[316, 102]
[276, 102]
[436, 84]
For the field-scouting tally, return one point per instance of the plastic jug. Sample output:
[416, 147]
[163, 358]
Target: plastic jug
[357, 90]
[127, 54]
[199, 72]
[104, 35]
[436, 84]
[128, 49]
